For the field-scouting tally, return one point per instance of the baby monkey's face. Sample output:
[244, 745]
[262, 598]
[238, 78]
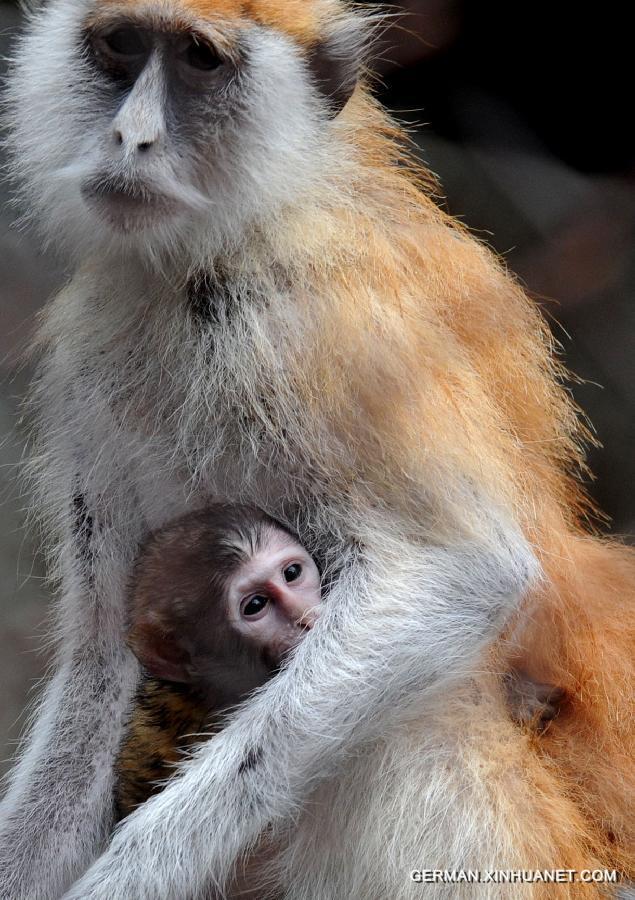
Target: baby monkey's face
[219, 599]
[273, 597]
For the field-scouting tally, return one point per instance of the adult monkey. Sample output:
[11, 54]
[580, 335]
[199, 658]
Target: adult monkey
[268, 308]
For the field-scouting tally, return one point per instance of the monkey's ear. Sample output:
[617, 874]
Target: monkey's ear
[159, 652]
[336, 60]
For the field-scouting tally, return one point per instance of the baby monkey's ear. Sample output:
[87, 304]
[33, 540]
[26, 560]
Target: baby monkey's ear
[159, 651]
[336, 60]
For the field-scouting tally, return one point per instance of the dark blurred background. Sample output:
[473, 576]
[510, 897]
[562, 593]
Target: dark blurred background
[523, 112]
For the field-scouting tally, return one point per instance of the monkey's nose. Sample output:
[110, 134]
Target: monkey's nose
[142, 145]
[294, 609]
[307, 619]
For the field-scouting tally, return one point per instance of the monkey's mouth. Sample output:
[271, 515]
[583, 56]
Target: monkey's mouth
[126, 205]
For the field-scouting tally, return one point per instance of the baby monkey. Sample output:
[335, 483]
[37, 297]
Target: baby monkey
[219, 598]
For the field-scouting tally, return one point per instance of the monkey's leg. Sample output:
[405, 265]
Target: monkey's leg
[58, 810]
[400, 621]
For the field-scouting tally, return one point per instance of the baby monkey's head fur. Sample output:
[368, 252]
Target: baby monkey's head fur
[218, 599]
[174, 124]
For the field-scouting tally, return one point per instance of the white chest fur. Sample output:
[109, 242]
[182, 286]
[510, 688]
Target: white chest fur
[173, 405]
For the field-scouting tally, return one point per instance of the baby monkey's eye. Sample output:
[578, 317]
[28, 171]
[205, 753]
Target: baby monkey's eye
[252, 606]
[292, 572]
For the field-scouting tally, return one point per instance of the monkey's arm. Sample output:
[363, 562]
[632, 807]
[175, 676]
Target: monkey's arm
[57, 812]
[400, 621]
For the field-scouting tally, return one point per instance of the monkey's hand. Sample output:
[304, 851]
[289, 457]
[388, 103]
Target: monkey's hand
[172, 845]
[392, 629]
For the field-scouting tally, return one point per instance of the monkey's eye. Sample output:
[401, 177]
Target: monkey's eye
[254, 605]
[125, 41]
[200, 56]
[292, 572]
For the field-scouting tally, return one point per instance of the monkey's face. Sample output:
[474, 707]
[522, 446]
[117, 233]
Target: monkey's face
[273, 598]
[154, 123]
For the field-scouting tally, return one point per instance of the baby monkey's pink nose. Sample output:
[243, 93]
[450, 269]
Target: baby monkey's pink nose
[308, 618]
[299, 607]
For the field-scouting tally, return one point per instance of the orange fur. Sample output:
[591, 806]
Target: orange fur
[549, 829]
[581, 635]
[420, 326]
[297, 18]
